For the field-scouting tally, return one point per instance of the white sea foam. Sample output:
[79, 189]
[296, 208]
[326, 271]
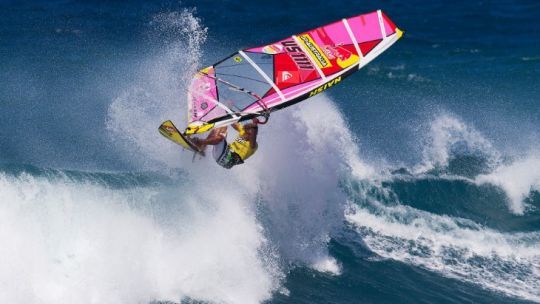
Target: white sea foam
[517, 179]
[69, 241]
[454, 247]
[328, 265]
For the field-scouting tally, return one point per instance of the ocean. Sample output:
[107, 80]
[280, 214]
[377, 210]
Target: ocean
[416, 180]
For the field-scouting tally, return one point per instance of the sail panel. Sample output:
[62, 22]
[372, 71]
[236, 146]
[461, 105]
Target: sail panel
[203, 98]
[366, 27]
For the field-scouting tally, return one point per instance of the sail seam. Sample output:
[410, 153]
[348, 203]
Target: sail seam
[353, 38]
[381, 24]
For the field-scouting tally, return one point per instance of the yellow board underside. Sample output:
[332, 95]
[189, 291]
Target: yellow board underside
[169, 131]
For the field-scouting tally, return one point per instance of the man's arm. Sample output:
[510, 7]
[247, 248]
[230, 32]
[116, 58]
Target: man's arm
[214, 138]
[239, 127]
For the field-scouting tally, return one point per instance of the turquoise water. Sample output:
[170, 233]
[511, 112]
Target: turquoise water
[416, 180]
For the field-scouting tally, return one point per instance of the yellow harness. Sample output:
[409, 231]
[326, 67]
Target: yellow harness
[241, 146]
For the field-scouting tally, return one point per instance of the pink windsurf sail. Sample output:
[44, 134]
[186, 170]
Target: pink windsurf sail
[253, 81]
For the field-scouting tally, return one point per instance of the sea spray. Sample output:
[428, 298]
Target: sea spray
[160, 91]
[303, 153]
[449, 136]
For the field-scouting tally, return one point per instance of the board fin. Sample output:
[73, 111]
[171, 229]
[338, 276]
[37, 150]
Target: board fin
[169, 131]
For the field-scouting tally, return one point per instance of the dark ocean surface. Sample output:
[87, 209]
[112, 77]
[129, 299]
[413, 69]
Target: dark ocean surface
[416, 180]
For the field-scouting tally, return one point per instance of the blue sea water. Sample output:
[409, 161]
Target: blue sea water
[417, 180]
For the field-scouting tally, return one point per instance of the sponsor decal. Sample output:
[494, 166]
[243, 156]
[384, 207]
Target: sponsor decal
[321, 59]
[325, 86]
[344, 57]
[169, 129]
[272, 49]
[285, 75]
[329, 52]
[288, 77]
[298, 56]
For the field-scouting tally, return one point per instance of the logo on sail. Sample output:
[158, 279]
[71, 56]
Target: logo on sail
[316, 52]
[285, 76]
[272, 49]
[325, 86]
[297, 55]
[288, 77]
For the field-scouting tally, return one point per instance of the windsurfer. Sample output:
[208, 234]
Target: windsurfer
[235, 153]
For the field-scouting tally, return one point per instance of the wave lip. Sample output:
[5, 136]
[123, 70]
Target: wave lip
[448, 137]
[454, 149]
[518, 179]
